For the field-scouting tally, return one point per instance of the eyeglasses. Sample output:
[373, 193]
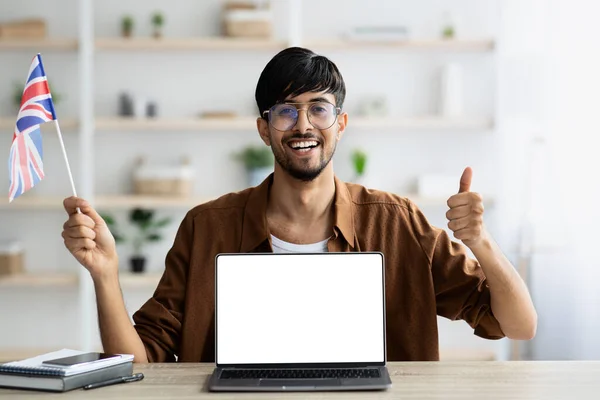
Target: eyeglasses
[320, 114]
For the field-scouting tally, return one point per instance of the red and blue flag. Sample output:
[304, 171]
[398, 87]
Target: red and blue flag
[25, 163]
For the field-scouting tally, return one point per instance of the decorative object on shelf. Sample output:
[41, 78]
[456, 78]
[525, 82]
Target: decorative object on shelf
[451, 96]
[125, 105]
[11, 258]
[151, 109]
[448, 26]
[359, 163]
[23, 29]
[18, 94]
[127, 25]
[158, 21]
[163, 180]
[377, 33]
[374, 106]
[247, 19]
[146, 229]
[258, 161]
[140, 104]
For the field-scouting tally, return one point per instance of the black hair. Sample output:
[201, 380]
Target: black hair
[294, 71]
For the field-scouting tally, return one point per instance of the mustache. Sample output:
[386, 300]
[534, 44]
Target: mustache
[299, 136]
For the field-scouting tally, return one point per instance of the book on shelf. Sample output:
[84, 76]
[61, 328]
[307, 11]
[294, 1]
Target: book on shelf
[31, 373]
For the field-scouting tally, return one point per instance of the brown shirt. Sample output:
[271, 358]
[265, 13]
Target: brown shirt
[426, 274]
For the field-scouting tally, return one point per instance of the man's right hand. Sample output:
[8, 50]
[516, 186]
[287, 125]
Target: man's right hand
[88, 238]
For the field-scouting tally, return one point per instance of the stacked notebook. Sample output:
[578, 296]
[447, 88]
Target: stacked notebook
[31, 374]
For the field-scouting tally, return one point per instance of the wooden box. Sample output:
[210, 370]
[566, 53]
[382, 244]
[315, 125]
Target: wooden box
[163, 180]
[247, 23]
[24, 29]
[11, 259]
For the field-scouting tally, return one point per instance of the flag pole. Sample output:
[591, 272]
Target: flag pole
[62, 146]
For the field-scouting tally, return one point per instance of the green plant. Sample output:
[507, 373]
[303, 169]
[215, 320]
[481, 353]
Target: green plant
[255, 157]
[158, 19]
[146, 228]
[359, 161]
[127, 25]
[112, 226]
[18, 94]
[448, 32]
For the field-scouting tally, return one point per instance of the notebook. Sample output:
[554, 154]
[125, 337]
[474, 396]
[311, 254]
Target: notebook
[300, 322]
[34, 366]
[31, 374]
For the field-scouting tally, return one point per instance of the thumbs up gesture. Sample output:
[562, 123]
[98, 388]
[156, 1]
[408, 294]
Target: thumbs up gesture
[465, 217]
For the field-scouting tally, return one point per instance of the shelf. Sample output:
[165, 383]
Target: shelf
[128, 280]
[249, 123]
[421, 123]
[39, 44]
[198, 43]
[421, 201]
[457, 45]
[39, 280]
[130, 201]
[26, 202]
[225, 43]
[131, 280]
[65, 124]
[115, 202]
[176, 124]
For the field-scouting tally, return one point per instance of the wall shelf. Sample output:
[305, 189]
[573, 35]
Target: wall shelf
[249, 123]
[175, 124]
[7, 123]
[421, 123]
[44, 203]
[116, 202]
[127, 279]
[191, 43]
[422, 202]
[38, 280]
[39, 44]
[456, 45]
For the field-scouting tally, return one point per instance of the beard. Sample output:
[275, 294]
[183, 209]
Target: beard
[301, 169]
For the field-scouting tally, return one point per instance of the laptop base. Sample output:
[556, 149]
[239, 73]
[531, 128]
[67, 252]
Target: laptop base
[216, 384]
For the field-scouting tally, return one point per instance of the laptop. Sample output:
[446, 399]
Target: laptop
[300, 322]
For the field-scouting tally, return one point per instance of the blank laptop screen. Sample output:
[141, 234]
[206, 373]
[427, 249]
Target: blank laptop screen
[300, 308]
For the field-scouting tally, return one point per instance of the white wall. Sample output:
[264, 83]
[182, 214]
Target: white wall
[185, 83]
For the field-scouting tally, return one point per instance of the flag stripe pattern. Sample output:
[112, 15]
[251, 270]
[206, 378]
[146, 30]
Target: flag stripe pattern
[25, 160]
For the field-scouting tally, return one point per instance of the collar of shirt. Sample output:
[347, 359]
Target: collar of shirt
[255, 230]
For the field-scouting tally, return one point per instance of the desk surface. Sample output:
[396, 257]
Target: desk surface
[487, 380]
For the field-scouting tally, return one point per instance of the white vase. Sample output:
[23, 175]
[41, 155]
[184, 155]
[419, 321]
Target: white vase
[451, 97]
[257, 175]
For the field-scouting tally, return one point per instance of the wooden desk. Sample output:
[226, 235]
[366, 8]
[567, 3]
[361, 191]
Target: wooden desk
[487, 380]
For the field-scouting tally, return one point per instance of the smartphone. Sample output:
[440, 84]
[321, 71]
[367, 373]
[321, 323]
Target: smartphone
[80, 359]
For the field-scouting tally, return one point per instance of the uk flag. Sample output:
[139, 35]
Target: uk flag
[25, 164]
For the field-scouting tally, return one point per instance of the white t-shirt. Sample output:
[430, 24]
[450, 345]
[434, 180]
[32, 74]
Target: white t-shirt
[279, 246]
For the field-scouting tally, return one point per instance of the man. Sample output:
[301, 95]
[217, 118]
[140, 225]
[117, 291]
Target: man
[304, 207]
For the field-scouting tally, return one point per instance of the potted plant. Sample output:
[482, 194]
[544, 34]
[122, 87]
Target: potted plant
[18, 95]
[146, 229]
[359, 162]
[258, 161]
[158, 20]
[127, 26]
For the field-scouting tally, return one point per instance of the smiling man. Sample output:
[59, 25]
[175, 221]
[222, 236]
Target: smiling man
[304, 207]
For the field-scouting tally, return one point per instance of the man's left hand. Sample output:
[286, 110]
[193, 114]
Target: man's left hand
[466, 213]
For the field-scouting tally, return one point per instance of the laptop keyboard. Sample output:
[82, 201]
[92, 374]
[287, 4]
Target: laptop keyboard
[300, 373]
